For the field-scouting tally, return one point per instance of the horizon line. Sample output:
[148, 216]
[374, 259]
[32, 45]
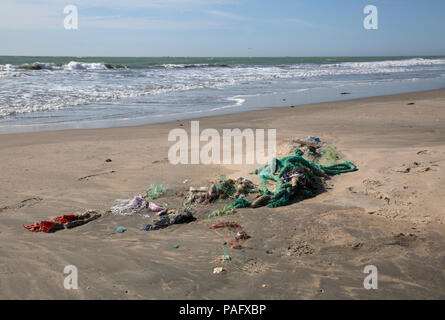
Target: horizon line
[247, 57]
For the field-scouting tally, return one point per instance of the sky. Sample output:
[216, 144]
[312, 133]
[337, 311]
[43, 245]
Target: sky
[221, 28]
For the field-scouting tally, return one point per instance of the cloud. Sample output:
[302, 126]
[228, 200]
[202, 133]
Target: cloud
[20, 15]
[128, 4]
[48, 14]
[227, 15]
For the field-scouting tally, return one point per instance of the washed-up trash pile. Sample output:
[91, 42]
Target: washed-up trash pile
[315, 150]
[68, 221]
[300, 175]
[223, 188]
[170, 218]
[140, 204]
[281, 180]
[296, 176]
[292, 176]
[136, 205]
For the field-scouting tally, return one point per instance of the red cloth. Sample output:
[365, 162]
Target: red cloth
[33, 227]
[47, 226]
[65, 218]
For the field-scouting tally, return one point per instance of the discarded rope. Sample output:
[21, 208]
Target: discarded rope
[311, 172]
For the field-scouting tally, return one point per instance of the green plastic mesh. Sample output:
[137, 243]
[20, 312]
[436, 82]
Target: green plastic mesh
[312, 171]
[228, 209]
[154, 191]
[241, 203]
[223, 186]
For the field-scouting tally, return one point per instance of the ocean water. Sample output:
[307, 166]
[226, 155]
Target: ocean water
[46, 93]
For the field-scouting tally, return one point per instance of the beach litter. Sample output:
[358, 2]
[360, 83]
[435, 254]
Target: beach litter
[315, 150]
[155, 191]
[223, 258]
[169, 219]
[68, 221]
[223, 188]
[296, 176]
[226, 210]
[240, 236]
[120, 229]
[292, 176]
[218, 270]
[147, 227]
[136, 205]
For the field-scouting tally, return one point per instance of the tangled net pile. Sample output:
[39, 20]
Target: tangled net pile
[294, 176]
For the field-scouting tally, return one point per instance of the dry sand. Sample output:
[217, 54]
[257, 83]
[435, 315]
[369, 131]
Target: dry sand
[389, 214]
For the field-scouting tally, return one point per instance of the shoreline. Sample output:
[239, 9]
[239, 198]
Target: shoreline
[173, 118]
[388, 214]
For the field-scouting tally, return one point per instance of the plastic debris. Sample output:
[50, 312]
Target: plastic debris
[121, 229]
[241, 203]
[221, 212]
[223, 258]
[154, 191]
[218, 270]
[241, 234]
[172, 217]
[136, 205]
[294, 175]
[147, 227]
[315, 150]
[223, 188]
[68, 221]
[176, 246]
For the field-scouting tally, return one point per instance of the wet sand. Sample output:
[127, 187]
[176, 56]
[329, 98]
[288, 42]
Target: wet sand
[390, 213]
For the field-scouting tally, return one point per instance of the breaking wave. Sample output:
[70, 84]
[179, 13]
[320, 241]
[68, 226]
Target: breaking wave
[72, 65]
[40, 86]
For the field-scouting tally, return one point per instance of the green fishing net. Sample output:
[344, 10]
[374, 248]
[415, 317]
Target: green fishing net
[225, 186]
[277, 168]
[154, 191]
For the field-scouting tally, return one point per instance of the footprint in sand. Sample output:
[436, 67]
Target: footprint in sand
[299, 249]
[96, 175]
[414, 167]
[255, 266]
[24, 203]
[402, 240]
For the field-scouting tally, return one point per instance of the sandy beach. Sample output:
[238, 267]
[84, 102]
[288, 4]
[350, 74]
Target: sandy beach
[390, 213]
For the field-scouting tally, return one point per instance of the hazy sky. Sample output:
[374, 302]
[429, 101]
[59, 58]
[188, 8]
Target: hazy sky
[222, 28]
